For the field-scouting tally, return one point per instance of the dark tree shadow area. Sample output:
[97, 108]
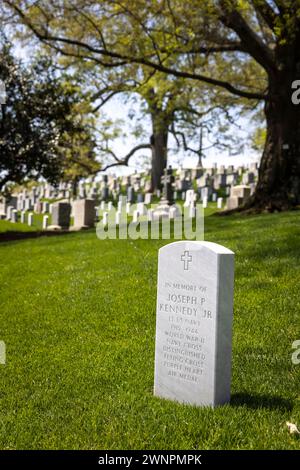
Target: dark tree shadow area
[12, 236]
[255, 402]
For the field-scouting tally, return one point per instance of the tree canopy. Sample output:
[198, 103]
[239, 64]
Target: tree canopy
[246, 48]
[41, 115]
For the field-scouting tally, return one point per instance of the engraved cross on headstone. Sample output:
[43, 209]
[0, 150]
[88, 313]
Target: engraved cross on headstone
[186, 258]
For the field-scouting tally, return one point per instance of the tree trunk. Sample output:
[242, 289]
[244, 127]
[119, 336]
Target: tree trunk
[278, 185]
[200, 164]
[75, 186]
[159, 144]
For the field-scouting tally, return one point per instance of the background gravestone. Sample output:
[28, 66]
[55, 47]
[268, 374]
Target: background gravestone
[61, 212]
[194, 323]
[168, 181]
[84, 213]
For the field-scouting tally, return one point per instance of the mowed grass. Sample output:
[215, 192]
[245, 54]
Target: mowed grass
[37, 224]
[78, 319]
[7, 226]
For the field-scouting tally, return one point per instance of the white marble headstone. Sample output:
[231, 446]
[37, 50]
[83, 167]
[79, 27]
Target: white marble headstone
[219, 202]
[194, 323]
[192, 211]
[105, 218]
[148, 198]
[189, 198]
[118, 217]
[150, 215]
[30, 219]
[45, 222]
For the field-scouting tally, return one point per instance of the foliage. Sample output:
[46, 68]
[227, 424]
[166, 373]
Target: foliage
[154, 31]
[41, 115]
[246, 49]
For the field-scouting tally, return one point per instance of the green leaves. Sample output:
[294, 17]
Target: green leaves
[42, 114]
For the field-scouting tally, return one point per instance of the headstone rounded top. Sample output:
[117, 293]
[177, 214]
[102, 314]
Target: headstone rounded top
[198, 245]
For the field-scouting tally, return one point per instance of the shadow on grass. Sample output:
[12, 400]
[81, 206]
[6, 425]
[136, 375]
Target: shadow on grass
[255, 402]
[12, 236]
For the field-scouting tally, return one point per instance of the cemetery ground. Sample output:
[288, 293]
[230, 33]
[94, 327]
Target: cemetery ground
[78, 319]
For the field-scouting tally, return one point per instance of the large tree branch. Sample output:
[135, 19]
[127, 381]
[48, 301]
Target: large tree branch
[252, 43]
[105, 100]
[228, 47]
[160, 67]
[237, 47]
[119, 88]
[49, 39]
[186, 147]
[266, 12]
[124, 161]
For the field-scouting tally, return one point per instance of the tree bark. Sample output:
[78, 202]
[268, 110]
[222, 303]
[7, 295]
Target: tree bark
[75, 182]
[159, 148]
[278, 186]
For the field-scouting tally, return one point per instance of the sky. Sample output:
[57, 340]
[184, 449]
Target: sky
[116, 109]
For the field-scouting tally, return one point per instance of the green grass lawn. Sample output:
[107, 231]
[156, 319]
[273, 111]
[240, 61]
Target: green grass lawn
[7, 226]
[78, 320]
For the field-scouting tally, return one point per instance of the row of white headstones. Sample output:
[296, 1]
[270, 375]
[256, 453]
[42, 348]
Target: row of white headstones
[191, 198]
[141, 210]
[12, 216]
